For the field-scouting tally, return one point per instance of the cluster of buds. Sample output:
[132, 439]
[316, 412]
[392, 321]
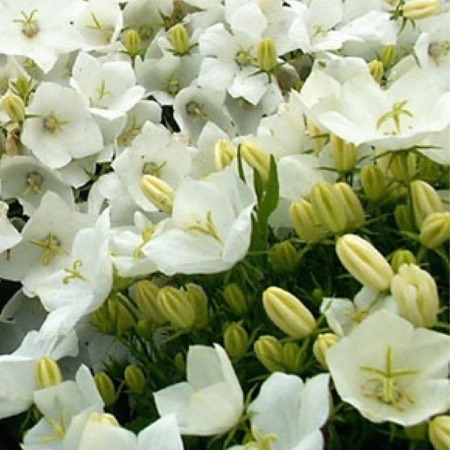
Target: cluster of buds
[116, 316]
[236, 340]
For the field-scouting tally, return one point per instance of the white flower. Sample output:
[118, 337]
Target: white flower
[61, 127]
[9, 236]
[390, 371]
[211, 401]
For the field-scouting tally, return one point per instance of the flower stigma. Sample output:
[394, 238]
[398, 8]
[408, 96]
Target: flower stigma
[30, 27]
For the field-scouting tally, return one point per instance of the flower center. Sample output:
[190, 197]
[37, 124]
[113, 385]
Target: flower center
[50, 246]
[30, 26]
[106, 31]
[52, 124]
[151, 168]
[208, 228]
[34, 182]
[244, 58]
[196, 110]
[398, 110]
[438, 50]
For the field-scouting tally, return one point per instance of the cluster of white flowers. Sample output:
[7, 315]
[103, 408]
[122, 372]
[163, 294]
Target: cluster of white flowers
[143, 140]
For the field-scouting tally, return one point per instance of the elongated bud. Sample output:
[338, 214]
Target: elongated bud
[135, 379]
[402, 168]
[176, 306]
[105, 387]
[199, 302]
[236, 341]
[321, 346]
[236, 299]
[288, 313]
[158, 192]
[224, 152]
[256, 158]
[400, 257]
[14, 107]
[364, 262]
[132, 42]
[373, 182]
[416, 295]
[179, 38]
[305, 222]
[269, 352]
[376, 69]
[439, 432]
[284, 257]
[120, 315]
[421, 9]
[343, 154]
[435, 229]
[292, 357]
[266, 55]
[403, 219]
[388, 55]
[425, 201]
[47, 373]
[146, 294]
[353, 207]
[328, 207]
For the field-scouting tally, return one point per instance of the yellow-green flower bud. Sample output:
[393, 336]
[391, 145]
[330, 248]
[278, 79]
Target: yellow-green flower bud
[284, 257]
[120, 314]
[132, 42]
[288, 313]
[224, 152]
[352, 205]
[269, 352]
[101, 320]
[403, 219]
[388, 55]
[425, 201]
[179, 38]
[401, 168]
[343, 154]
[146, 294]
[439, 432]
[266, 55]
[435, 229]
[135, 379]
[103, 418]
[236, 340]
[416, 295]
[236, 299]
[144, 329]
[256, 157]
[373, 182]
[321, 345]
[180, 362]
[376, 69]
[328, 207]
[158, 192]
[305, 222]
[14, 107]
[317, 135]
[421, 9]
[47, 372]
[175, 305]
[199, 302]
[364, 262]
[105, 387]
[400, 257]
[292, 357]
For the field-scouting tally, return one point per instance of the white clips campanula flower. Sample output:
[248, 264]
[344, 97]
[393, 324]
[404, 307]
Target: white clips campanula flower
[9, 236]
[211, 401]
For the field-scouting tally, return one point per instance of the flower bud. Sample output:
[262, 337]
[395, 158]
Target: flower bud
[103, 418]
[425, 201]
[388, 55]
[439, 432]
[288, 313]
[256, 158]
[400, 257]
[105, 387]
[416, 295]
[132, 42]
[224, 152]
[421, 9]
[266, 55]
[305, 222]
[353, 207]
[317, 135]
[47, 372]
[321, 346]
[101, 320]
[236, 299]
[364, 262]
[435, 229]
[402, 168]
[376, 69]
[236, 340]
[328, 207]
[158, 192]
[175, 305]
[135, 379]
[343, 154]
[292, 357]
[373, 182]
[14, 107]
[120, 314]
[179, 38]
[144, 329]
[269, 352]
[284, 257]
[199, 302]
[146, 294]
[403, 219]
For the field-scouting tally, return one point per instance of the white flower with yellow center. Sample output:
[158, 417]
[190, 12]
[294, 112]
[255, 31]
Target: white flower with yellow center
[390, 371]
